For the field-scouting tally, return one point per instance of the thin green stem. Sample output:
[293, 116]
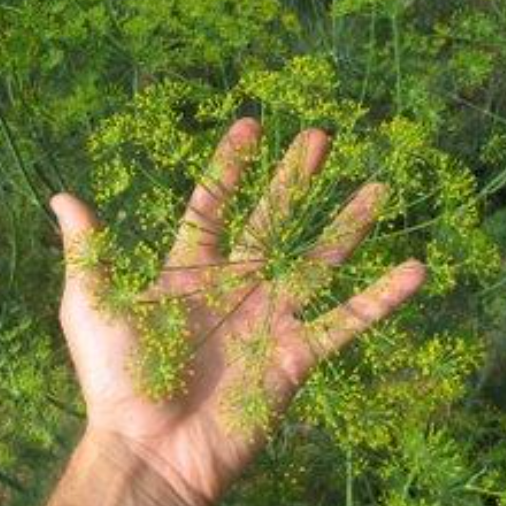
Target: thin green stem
[397, 60]
[371, 54]
[349, 476]
[23, 170]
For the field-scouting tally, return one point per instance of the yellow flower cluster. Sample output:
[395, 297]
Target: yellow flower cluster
[161, 363]
[247, 404]
[392, 376]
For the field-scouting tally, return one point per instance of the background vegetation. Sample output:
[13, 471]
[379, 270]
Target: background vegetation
[97, 96]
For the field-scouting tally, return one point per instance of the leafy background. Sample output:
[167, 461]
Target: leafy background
[430, 77]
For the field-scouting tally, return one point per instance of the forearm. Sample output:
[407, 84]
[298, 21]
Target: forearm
[104, 471]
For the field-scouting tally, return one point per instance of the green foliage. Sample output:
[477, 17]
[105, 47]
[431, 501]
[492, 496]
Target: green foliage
[37, 396]
[414, 94]
[67, 60]
[63, 65]
[393, 396]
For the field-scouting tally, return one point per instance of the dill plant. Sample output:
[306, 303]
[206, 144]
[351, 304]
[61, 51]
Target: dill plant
[64, 65]
[393, 405]
[441, 67]
[25, 377]
[37, 398]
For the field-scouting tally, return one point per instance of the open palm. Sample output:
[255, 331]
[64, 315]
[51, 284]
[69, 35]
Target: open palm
[188, 439]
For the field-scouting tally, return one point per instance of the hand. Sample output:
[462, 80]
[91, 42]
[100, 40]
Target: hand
[186, 440]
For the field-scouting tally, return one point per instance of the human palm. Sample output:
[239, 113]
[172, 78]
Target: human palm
[187, 438]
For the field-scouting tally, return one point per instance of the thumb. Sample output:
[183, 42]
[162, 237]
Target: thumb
[77, 222]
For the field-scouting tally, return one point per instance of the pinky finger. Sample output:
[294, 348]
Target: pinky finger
[336, 328]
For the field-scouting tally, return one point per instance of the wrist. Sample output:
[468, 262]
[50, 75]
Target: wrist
[109, 470]
[153, 471]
